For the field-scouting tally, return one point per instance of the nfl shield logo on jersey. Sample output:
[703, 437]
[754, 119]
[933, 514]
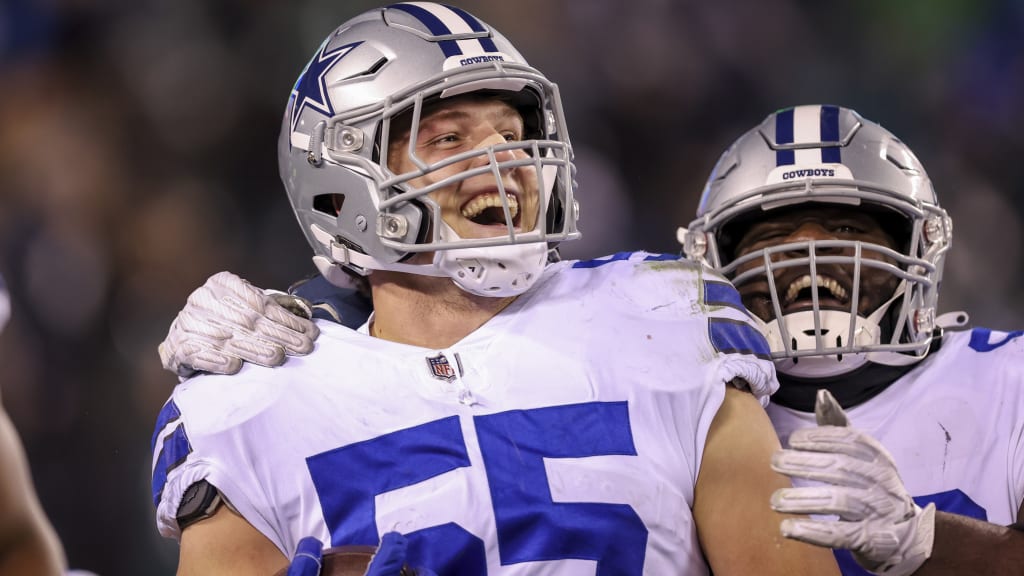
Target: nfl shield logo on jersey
[441, 368]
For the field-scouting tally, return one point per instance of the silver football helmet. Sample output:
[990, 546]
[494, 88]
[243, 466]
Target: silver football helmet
[381, 69]
[828, 156]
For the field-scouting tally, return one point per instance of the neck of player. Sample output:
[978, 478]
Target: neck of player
[425, 311]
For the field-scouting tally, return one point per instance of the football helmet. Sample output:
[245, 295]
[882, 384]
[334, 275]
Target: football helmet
[381, 69]
[827, 155]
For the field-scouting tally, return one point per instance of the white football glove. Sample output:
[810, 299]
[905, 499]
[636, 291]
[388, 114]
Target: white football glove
[878, 521]
[228, 321]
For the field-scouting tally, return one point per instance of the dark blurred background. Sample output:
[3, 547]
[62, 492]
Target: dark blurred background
[137, 157]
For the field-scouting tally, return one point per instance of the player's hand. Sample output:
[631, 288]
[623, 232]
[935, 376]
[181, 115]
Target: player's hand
[308, 558]
[878, 521]
[227, 321]
[390, 558]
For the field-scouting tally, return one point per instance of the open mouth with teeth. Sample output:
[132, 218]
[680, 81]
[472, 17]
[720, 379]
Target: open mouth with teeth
[831, 294]
[486, 210]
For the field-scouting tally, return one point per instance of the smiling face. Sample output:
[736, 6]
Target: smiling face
[473, 206]
[835, 281]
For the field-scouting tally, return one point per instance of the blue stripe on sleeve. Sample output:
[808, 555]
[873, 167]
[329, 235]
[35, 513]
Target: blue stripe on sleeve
[169, 413]
[176, 449]
[735, 337]
[784, 135]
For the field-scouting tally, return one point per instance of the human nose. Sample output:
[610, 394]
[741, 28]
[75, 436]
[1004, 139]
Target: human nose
[494, 138]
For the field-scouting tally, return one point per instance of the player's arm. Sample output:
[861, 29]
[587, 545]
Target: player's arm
[738, 531]
[225, 544]
[966, 546]
[877, 519]
[227, 322]
[28, 543]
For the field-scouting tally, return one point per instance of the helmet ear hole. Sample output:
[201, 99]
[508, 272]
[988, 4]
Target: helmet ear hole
[329, 203]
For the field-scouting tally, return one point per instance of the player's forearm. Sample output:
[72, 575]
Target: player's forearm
[31, 551]
[967, 546]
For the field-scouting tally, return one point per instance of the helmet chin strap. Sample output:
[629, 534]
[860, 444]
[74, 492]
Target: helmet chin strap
[835, 326]
[494, 271]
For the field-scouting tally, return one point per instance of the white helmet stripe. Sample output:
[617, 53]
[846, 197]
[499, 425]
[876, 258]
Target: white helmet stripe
[816, 125]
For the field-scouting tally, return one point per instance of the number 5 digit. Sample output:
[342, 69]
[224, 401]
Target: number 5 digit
[531, 526]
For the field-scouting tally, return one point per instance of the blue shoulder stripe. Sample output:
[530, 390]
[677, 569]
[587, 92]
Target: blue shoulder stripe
[176, 448]
[722, 294]
[618, 256]
[736, 337]
[169, 413]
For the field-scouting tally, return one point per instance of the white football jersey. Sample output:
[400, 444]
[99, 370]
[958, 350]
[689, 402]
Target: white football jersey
[954, 425]
[564, 436]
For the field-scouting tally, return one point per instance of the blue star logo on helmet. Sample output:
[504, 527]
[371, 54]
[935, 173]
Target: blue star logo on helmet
[311, 87]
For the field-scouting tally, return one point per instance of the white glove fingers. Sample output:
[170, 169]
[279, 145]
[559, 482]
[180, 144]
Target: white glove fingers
[205, 304]
[297, 305]
[278, 314]
[188, 327]
[198, 357]
[225, 284]
[836, 469]
[837, 440]
[290, 341]
[847, 503]
[253, 348]
[227, 321]
[828, 533]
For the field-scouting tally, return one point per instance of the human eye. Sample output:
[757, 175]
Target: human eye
[444, 141]
[851, 228]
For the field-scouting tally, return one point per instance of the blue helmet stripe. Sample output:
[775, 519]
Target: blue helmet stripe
[434, 24]
[784, 135]
[830, 133]
[475, 26]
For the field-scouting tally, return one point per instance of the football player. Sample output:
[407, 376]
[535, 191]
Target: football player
[505, 415]
[28, 543]
[833, 233]
[830, 229]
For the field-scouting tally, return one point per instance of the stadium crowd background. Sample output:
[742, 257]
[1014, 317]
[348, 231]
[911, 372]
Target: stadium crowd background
[138, 156]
